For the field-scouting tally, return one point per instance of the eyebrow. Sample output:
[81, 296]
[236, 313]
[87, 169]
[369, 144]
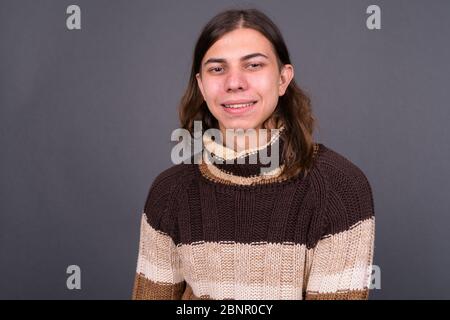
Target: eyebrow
[244, 58]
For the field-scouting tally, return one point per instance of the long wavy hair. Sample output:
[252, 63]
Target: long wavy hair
[293, 110]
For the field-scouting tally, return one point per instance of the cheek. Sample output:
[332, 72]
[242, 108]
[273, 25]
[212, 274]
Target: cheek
[267, 88]
[211, 89]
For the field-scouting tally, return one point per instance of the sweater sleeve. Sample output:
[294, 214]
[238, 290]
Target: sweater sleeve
[339, 266]
[158, 275]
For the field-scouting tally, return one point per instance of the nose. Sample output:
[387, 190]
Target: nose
[235, 81]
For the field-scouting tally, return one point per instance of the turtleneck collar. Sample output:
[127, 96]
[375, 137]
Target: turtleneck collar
[245, 167]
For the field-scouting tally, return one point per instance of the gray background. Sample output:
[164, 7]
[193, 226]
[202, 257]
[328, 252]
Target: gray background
[86, 117]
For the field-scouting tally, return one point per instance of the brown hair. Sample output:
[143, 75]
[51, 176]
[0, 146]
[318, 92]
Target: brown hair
[294, 107]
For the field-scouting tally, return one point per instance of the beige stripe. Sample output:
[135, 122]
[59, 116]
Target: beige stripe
[214, 173]
[158, 258]
[227, 270]
[343, 261]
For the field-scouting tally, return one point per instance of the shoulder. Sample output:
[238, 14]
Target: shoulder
[347, 196]
[163, 192]
[171, 178]
[335, 167]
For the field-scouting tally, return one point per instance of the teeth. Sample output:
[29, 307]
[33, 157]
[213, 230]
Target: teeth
[237, 106]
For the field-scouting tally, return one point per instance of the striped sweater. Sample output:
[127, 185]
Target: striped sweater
[226, 231]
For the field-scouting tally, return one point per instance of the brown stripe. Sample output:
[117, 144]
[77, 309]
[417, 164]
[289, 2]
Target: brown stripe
[345, 295]
[145, 289]
[189, 295]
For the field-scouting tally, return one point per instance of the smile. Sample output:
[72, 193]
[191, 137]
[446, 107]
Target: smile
[239, 105]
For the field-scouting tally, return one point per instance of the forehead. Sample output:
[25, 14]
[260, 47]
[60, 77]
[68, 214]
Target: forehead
[240, 42]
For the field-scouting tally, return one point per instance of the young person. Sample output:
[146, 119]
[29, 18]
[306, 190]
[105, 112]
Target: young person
[227, 230]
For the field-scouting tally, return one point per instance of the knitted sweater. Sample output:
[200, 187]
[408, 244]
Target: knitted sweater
[226, 231]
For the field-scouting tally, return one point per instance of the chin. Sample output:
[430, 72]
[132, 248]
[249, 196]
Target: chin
[241, 125]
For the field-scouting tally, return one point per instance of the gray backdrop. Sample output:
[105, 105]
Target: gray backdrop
[86, 117]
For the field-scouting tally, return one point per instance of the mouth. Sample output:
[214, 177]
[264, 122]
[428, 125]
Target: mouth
[238, 107]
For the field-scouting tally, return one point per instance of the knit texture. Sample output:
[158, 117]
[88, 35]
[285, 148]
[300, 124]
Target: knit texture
[226, 231]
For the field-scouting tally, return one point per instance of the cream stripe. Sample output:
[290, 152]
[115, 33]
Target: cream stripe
[158, 258]
[343, 261]
[240, 291]
[158, 274]
[355, 278]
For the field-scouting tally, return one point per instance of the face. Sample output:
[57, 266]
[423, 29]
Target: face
[240, 79]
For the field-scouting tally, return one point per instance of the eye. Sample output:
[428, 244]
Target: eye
[255, 65]
[215, 69]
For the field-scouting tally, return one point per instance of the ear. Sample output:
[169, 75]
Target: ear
[200, 84]
[286, 76]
